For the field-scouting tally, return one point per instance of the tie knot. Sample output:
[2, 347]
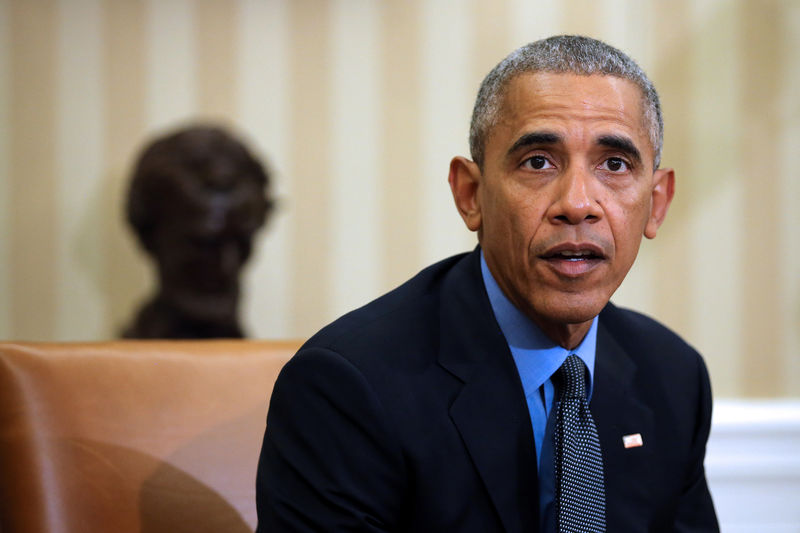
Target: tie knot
[571, 378]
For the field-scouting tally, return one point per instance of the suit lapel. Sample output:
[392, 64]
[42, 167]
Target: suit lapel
[618, 412]
[490, 411]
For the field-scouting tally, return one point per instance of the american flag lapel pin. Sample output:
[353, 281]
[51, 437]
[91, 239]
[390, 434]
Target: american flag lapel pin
[632, 441]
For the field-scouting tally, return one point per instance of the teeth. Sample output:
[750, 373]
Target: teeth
[582, 253]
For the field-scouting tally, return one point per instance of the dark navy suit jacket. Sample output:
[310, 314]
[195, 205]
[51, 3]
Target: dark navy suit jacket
[408, 414]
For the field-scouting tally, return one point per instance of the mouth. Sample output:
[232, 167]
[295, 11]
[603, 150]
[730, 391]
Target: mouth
[572, 260]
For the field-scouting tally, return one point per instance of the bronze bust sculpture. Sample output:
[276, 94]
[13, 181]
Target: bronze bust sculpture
[197, 197]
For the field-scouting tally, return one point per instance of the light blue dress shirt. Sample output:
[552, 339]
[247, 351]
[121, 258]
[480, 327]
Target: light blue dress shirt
[537, 357]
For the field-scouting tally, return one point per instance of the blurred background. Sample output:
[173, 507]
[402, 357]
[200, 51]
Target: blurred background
[356, 107]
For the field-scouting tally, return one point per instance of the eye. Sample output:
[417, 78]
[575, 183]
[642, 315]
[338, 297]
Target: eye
[615, 164]
[537, 162]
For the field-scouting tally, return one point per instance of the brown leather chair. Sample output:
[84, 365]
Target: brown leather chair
[133, 436]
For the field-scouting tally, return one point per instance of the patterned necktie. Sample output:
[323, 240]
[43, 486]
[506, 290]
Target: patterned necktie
[580, 492]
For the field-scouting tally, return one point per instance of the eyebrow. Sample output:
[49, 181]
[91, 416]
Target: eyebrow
[535, 138]
[623, 144]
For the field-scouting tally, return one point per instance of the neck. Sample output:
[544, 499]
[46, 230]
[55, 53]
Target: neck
[568, 336]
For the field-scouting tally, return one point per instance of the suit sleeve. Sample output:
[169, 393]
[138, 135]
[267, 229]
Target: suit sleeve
[695, 513]
[329, 461]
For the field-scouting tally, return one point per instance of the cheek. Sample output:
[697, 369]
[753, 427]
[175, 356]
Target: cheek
[523, 210]
[520, 227]
[628, 210]
[627, 225]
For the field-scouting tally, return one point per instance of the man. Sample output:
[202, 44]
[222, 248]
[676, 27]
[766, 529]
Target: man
[444, 406]
[196, 199]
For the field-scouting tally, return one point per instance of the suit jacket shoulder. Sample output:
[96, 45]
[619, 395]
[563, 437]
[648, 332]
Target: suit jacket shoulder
[640, 334]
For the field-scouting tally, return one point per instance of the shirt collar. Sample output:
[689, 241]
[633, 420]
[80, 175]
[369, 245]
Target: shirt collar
[537, 356]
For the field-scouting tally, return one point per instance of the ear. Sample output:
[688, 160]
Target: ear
[464, 182]
[663, 191]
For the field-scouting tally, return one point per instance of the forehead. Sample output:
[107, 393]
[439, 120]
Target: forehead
[572, 104]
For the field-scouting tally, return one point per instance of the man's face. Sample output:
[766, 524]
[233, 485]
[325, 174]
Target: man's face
[566, 192]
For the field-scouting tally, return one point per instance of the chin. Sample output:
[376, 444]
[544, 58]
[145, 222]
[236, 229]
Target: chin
[574, 308]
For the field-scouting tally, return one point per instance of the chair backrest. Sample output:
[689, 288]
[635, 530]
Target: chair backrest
[133, 436]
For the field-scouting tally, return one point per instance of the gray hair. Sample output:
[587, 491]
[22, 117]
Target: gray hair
[562, 54]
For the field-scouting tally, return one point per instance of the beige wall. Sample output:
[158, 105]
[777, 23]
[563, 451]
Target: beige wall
[358, 106]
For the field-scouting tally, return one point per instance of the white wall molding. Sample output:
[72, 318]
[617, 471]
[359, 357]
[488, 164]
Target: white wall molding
[753, 465]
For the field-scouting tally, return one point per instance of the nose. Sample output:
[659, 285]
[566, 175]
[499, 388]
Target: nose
[575, 200]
